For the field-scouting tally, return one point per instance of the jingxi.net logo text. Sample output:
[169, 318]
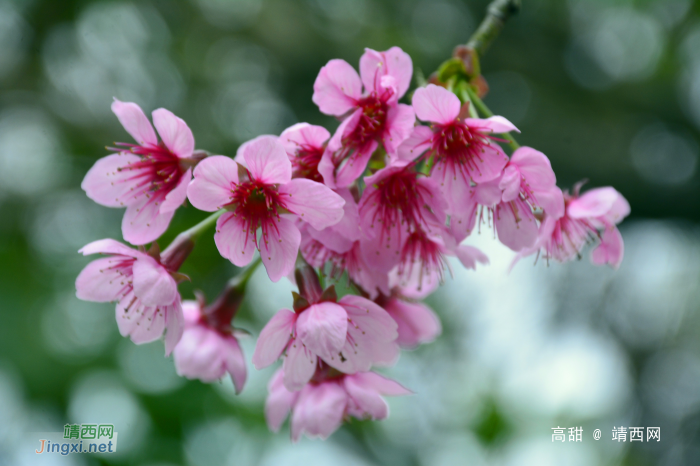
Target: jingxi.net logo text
[79, 438]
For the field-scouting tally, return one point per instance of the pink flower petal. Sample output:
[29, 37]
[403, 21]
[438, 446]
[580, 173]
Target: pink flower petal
[318, 411]
[510, 182]
[337, 88]
[552, 201]
[322, 329]
[177, 196]
[279, 402]
[135, 122]
[326, 166]
[382, 253]
[214, 178]
[143, 222]
[313, 202]
[619, 210]
[153, 285]
[394, 62]
[399, 123]
[150, 327]
[611, 250]
[495, 124]
[380, 384]
[417, 323]
[462, 224]
[109, 182]
[235, 364]
[233, 240]
[273, 338]
[371, 338]
[174, 132]
[469, 256]
[303, 134]
[419, 141]
[455, 189]
[594, 203]
[267, 161]
[368, 401]
[279, 251]
[299, 365]
[516, 225]
[354, 166]
[490, 164]
[109, 246]
[100, 282]
[175, 326]
[535, 168]
[436, 104]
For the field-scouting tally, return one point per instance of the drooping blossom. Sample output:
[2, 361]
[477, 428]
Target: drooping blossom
[424, 255]
[320, 407]
[370, 116]
[462, 149]
[396, 204]
[209, 346]
[590, 218]
[149, 178]
[148, 302]
[305, 144]
[258, 199]
[350, 335]
[369, 279]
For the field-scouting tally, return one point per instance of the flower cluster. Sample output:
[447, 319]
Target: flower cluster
[382, 203]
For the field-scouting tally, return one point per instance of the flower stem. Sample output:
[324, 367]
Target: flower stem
[241, 280]
[194, 232]
[181, 247]
[497, 14]
[484, 110]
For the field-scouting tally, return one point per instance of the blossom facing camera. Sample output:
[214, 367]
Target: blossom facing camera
[148, 302]
[207, 350]
[462, 149]
[349, 335]
[370, 117]
[320, 407]
[149, 178]
[257, 190]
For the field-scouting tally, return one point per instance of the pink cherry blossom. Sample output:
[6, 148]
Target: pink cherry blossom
[207, 352]
[149, 178]
[395, 205]
[339, 237]
[148, 302]
[368, 278]
[258, 200]
[320, 407]
[349, 335]
[463, 149]
[424, 255]
[370, 117]
[588, 218]
[305, 144]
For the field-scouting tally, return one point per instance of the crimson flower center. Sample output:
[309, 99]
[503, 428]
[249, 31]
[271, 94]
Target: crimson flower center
[305, 163]
[458, 148]
[157, 173]
[400, 199]
[372, 121]
[256, 204]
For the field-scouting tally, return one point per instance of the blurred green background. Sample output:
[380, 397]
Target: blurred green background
[608, 89]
